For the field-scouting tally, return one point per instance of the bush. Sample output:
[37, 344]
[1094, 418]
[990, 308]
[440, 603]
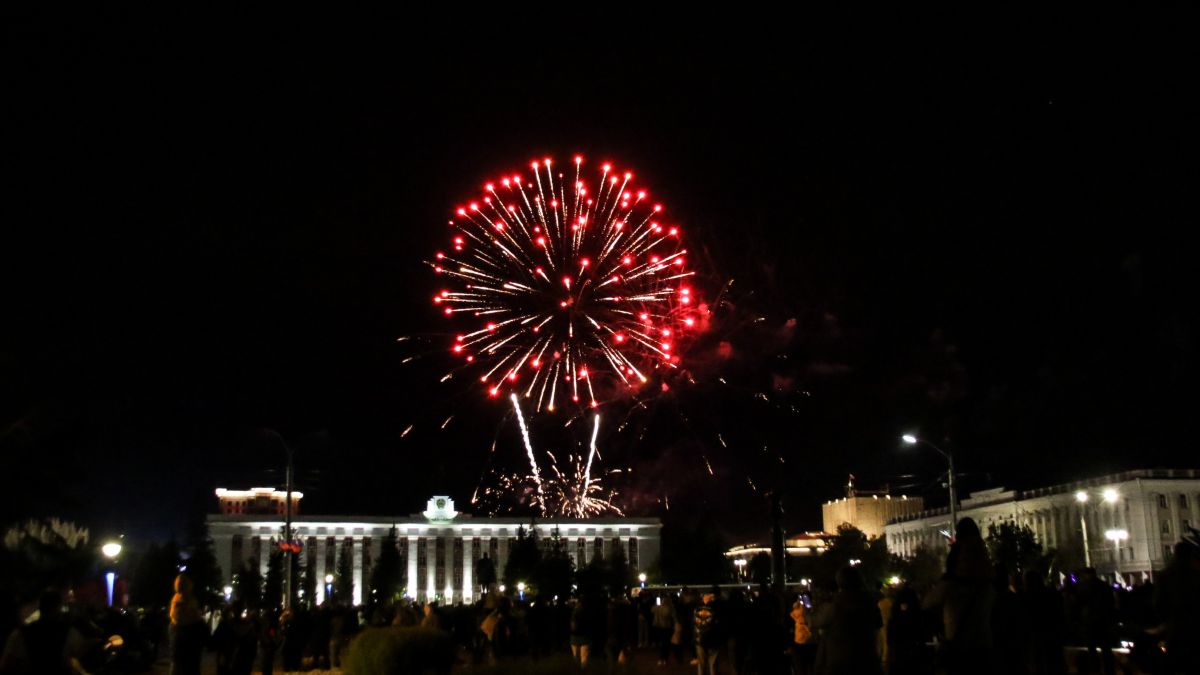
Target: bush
[384, 651]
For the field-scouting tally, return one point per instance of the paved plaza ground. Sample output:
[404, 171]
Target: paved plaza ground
[644, 662]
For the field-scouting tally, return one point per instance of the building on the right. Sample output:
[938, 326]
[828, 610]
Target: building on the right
[1125, 525]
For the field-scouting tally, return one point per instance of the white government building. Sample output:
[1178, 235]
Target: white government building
[1126, 525]
[440, 545]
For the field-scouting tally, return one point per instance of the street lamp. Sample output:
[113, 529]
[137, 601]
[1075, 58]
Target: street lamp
[913, 440]
[642, 579]
[740, 563]
[111, 550]
[287, 523]
[1110, 496]
[328, 587]
[521, 589]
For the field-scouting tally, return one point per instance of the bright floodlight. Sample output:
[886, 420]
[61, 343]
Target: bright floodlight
[642, 577]
[1110, 495]
[895, 581]
[111, 550]
[740, 562]
[1116, 535]
[521, 586]
[1081, 496]
[909, 438]
[329, 578]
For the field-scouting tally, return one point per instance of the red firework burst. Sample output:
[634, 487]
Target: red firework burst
[575, 288]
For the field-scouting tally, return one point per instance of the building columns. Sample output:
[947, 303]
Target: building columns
[468, 582]
[448, 589]
[411, 582]
[319, 567]
[430, 568]
[356, 565]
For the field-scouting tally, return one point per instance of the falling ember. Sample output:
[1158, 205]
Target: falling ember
[569, 272]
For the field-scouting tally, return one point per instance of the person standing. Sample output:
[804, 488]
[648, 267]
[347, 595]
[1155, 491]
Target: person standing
[663, 624]
[1177, 603]
[965, 595]
[906, 635]
[47, 645]
[804, 650]
[706, 626]
[1042, 614]
[188, 630]
[582, 630]
[851, 626]
[1097, 612]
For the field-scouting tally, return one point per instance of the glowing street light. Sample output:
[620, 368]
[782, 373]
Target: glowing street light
[1110, 496]
[521, 589]
[911, 439]
[328, 587]
[1116, 536]
[228, 593]
[111, 550]
[642, 579]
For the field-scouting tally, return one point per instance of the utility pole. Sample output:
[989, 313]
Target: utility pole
[777, 549]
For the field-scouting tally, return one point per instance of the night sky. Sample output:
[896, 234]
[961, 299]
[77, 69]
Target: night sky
[213, 231]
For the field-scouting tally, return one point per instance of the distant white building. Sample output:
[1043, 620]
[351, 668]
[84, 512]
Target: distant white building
[439, 546]
[1132, 520]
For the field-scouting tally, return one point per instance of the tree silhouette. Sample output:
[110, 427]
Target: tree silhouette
[554, 571]
[387, 574]
[759, 568]
[248, 585]
[201, 561]
[343, 577]
[851, 547]
[153, 578]
[523, 559]
[273, 586]
[1015, 547]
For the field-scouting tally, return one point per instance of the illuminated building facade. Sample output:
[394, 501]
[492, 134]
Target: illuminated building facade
[869, 513]
[1132, 520]
[438, 547]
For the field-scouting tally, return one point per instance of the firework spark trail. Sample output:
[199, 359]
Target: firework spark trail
[587, 472]
[576, 286]
[533, 466]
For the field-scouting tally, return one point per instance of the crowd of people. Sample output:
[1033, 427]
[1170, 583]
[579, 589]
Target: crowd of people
[977, 619]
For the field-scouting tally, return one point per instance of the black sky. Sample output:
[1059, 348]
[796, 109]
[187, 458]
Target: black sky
[214, 230]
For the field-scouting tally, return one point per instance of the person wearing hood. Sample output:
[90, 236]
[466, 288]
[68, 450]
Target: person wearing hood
[804, 649]
[188, 631]
[851, 626]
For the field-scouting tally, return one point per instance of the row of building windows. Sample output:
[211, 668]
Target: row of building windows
[579, 553]
[1182, 499]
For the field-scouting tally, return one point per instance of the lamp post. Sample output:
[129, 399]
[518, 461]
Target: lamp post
[111, 550]
[1116, 536]
[287, 523]
[642, 579]
[1109, 495]
[740, 563]
[328, 588]
[913, 440]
